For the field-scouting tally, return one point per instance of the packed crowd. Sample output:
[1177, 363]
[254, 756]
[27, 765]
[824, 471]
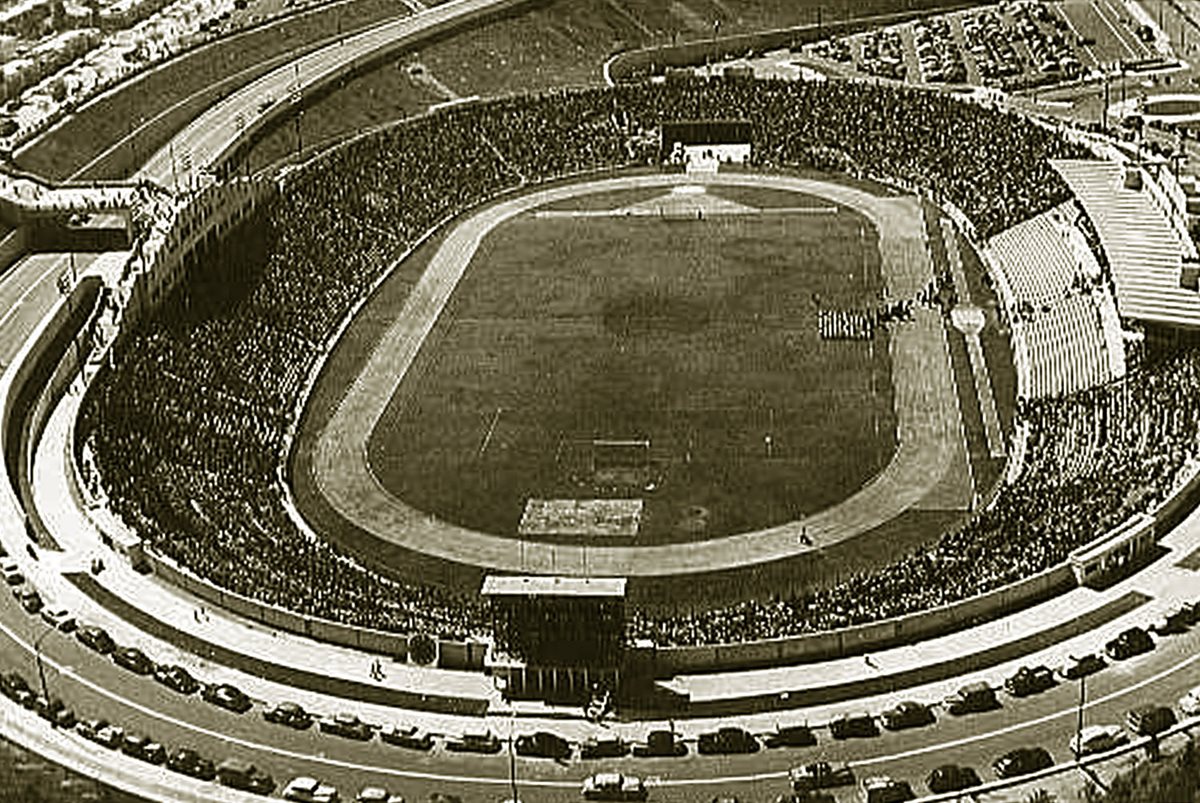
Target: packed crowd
[189, 426]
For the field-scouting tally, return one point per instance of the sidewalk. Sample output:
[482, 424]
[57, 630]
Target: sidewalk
[267, 663]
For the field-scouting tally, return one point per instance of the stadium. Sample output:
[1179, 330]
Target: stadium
[593, 393]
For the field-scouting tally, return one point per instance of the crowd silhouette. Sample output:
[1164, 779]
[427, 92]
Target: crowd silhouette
[189, 427]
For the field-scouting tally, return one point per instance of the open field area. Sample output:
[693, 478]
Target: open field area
[698, 335]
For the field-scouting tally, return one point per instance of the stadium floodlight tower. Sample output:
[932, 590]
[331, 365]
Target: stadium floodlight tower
[559, 639]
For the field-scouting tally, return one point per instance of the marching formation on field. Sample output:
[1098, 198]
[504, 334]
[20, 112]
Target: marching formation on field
[189, 426]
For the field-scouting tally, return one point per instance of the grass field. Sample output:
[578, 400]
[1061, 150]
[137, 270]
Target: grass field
[699, 335]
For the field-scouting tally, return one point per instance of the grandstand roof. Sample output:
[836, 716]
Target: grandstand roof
[1143, 248]
[543, 586]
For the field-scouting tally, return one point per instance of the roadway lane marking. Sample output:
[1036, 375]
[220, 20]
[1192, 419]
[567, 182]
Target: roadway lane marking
[682, 782]
[34, 286]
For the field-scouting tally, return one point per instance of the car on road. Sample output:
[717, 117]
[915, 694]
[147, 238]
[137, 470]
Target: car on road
[240, 774]
[95, 638]
[543, 744]
[30, 599]
[110, 736]
[187, 761]
[409, 736]
[727, 740]
[59, 618]
[661, 744]
[176, 678]
[603, 747]
[952, 778]
[227, 696]
[1150, 720]
[850, 726]
[1171, 622]
[820, 775]
[1030, 680]
[141, 746]
[306, 789]
[1022, 761]
[882, 789]
[12, 572]
[1130, 642]
[1078, 666]
[613, 786]
[1097, 739]
[88, 728]
[15, 687]
[133, 659]
[790, 736]
[907, 714]
[346, 725]
[287, 713]
[1189, 703]
[972, 698]
[474, 742]
[54, 711]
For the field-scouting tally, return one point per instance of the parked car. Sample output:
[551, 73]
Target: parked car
[727, 740]
[1133, 641]
[820, 775]
[952, 778]
[604, 747]
[853, 725]
[1171, 622]
[309, 790]
[1022, 761]
[613, 786]
[376, 794]
[474, 742]
[240, 774]
[1097, 739]
[110, 736]
[289, 714]
[59, 618]
[141, 746]
[1189, 703]
[189, 762]
[30, 599]
[1076, 667]
[89, 728]
[227, 696]
[883, 789]
[907, 714]
[133, 659]
[543, 745]
[346, 725]
[54, 711]
[16, 688]
[661, 744]
[972, 698]
[1030, 680]
[791, 736]
[1150, 720]
[12, 572]
[176, 678]
[95, 638]
[409, 736]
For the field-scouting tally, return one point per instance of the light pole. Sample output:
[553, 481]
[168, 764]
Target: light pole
[512, 753]
[37, 655]
[1077, 747]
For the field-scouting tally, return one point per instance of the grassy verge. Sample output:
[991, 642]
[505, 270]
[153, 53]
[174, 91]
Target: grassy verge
[184, 86]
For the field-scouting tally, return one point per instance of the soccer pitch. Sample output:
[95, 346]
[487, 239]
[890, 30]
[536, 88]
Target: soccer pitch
[686, 317]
